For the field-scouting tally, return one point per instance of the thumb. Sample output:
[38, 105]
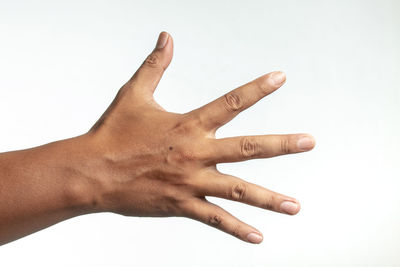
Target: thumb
[152, 69]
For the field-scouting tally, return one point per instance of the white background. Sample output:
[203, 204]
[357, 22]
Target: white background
[61, 63]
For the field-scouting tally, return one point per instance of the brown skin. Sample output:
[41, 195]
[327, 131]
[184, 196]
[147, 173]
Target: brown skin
[140, 160]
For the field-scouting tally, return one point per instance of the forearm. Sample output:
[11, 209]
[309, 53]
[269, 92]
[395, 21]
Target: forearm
[44, 185]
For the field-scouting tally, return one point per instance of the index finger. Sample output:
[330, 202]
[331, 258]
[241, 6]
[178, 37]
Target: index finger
[218, 112]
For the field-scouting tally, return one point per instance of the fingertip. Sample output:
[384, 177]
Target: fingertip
[164, 32]
[270, 82]
[306, 142]
[298, 206]
[162, 40]
[167, 33]
[254, 238]
[278, 78]
[162, 53]
[290, 207]
[164, 48]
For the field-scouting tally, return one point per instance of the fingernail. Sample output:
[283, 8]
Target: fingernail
[305, 143]
[162, 40]
[254, 238]
[278, 77]
[290, 207]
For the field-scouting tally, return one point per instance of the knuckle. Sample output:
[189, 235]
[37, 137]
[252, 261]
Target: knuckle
[188, 155]
[285, 145]
[269, 202]
[152, 60]
[214, 220]
[248, 147]
[264, 84]
[236, 231]
[180, 208]
[197, 120]
[233, 101]
[238, 191]
[182, 127]
[184, 146]
[188, 123]
[181, 156]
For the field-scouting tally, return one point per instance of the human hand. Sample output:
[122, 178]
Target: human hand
[151, 162]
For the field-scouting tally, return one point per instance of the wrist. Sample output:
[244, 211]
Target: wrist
[81, 168]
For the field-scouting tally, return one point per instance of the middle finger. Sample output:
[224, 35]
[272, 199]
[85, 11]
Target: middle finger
[233, 149]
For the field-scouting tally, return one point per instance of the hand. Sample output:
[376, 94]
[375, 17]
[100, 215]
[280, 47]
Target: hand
[157, 163]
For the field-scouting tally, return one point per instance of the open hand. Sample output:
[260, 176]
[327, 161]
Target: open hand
[157, 163]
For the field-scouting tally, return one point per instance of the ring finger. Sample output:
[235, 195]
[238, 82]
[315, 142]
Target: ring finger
[233, 188]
